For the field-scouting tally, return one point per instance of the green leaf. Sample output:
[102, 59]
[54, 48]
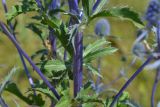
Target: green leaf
[26, 6]
[96, 50]
[100, 6]
[52, 65]
[65, 100]
[95, 46]
[124, 96]
[122, 13]
[64, 37]
[98, 53]
[41, 87]
[93, 69]
[7, 79]
[36, 30]
[31, 99]
[54, 69]
[87, 7]
[12, 88]
[41, 52]
[87, 96]
[52, 22]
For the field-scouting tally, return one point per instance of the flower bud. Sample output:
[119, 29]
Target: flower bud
[102, 28]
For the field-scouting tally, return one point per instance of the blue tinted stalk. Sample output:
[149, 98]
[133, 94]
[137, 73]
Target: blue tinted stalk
[149, 59]
[65, 55]
[78, 52]
[95, 5]
[77, 63]
[21, 56]
[10, 36]
[99, 70]
[52, 38]
[158, 35]
[157, 76]
[2, 102]
[39, 4]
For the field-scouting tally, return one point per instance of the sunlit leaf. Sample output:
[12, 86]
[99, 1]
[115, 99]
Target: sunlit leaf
[99, 53]
[122, 13]
[26, 6]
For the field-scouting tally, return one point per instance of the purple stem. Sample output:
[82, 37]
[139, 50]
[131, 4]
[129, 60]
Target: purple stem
[95, 5]
[21, 56]
[73, 6]
[65, 55]
[2, 102]
[131, 79]
[99, 70]
[54, 4]
[77, 63]
[10, 36]
[39, 4]
[157, 77]
[158, 35]
[52, 40]
[78, 53]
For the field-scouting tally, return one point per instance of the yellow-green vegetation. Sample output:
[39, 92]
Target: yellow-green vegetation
[125, 32]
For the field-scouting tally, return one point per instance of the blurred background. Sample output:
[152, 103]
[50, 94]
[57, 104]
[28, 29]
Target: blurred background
[125, 32]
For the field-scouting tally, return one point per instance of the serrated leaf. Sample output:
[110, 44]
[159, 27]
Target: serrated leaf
[30, 99]
[40, 52]
[122, 13]
[85, 96]
[26, 6]
[52, 22]
[95, 46]
[99, 53]
[41, 87]
[36, 30]
[7, 79]
[65, 100]
[63, 36]
[87, 7]
[54, 69]
[93, 70]
[12, 88]
[52, 65]
[124, 96]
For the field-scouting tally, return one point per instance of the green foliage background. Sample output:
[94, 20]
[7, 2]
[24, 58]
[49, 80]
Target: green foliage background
[140, 89]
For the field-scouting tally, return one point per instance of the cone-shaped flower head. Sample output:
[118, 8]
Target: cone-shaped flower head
[153, 12]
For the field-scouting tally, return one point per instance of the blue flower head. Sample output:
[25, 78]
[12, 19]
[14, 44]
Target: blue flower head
[153, 12]
[102, 28]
